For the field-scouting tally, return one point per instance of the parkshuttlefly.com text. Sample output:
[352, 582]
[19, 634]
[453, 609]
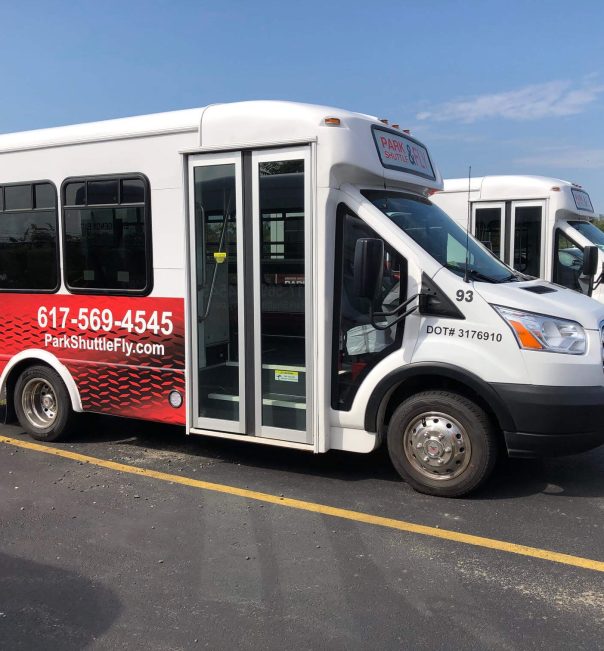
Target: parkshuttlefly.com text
[105, 344]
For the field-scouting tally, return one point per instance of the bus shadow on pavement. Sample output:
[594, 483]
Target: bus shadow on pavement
[570, 476]
[45, 607]
[137, 434]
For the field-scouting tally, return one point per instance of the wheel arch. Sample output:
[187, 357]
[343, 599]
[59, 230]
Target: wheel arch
[404, 382]
[21, 361]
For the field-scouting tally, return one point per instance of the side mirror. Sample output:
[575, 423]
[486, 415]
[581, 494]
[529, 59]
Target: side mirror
[368, 268]
[590, 261]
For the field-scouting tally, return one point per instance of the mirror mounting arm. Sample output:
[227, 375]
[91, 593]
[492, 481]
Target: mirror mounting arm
[396, 310]
[599, 280]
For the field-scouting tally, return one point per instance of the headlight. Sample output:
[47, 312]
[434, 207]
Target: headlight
[540, 332]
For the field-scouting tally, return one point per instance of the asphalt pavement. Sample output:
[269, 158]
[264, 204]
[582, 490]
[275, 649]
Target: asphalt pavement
[93, 557]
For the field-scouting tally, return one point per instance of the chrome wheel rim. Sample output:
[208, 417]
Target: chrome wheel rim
[39, 403]
[437, 446]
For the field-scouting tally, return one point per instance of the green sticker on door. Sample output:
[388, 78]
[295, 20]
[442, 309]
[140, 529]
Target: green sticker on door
[286, 376]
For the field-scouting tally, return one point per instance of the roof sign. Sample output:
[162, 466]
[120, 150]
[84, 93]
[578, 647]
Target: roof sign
[402, 153]
[582, 200]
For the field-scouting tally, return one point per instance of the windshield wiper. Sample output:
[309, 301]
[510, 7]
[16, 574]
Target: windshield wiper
[508, 279]
[478, 275]
[472, 273]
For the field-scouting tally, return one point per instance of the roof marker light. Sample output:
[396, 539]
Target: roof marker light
[555, 189]
[396, 126]
[383, 120]
[333, 121]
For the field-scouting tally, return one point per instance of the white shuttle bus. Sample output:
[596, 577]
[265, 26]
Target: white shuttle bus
[538, 225]
[274, 272]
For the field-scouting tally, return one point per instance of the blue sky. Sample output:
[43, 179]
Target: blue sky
[506, 86]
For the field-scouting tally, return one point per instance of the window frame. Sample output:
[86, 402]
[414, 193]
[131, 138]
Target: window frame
[147, 215]
[338, 278]
[58, 239]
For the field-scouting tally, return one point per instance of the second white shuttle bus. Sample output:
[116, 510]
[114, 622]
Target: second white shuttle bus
[538, 225]
[274, 272]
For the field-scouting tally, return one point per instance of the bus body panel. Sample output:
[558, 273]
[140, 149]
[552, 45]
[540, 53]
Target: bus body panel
[124, 359]
[144, 365]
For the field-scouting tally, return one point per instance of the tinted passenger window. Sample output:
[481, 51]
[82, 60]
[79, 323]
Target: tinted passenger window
[107, 238]
[568, 262]
[75, 194]
[133, 191]
[28, 238]
[357, 345]
[102, 192]
[18, 197]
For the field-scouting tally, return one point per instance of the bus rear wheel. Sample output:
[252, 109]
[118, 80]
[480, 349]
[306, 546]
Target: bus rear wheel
[441, 443]
[42, 404]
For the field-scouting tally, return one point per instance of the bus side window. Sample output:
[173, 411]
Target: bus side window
[28, 238]
[107, 238]
[357, 345]
[568, 261]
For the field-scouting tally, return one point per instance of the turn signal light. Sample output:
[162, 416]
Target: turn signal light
[527, 339]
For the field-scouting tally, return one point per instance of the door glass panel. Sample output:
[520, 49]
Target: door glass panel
[217, 312]
[568, 262]
[282, 294]
[488, 229]
[527, 240]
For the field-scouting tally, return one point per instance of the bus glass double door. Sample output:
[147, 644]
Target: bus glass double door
[251, 293]
[514, 231]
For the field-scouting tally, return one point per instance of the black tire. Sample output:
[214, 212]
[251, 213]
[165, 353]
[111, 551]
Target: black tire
[42, 404]
[442, 444]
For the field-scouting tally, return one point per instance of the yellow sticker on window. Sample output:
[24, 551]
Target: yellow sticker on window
[286, 376]
[220, 256]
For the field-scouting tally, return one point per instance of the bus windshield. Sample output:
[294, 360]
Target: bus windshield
[440, 236]
[591, 232]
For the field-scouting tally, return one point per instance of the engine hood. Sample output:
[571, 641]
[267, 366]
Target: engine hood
[544, 298]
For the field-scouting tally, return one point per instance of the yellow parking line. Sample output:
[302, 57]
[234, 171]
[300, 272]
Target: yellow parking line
[323, 509]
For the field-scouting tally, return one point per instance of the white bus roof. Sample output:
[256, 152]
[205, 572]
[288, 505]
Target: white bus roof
[245, 122]
[358, 148]
[508, 187]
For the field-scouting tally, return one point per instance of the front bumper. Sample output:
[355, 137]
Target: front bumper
[550, 421]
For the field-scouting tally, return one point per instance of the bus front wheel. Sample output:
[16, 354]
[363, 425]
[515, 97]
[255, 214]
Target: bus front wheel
[42, 404]
[441, 443]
